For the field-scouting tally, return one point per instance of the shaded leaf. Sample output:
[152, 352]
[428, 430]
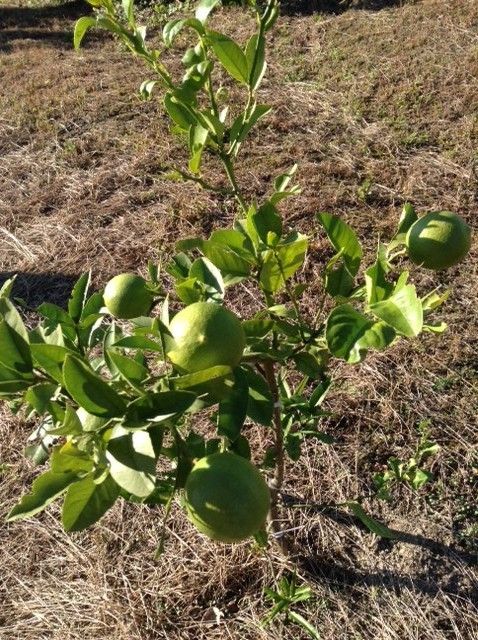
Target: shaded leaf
[86, 502]
[45, 489]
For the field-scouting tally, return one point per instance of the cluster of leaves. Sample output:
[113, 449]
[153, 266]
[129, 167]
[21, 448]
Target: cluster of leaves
[111, 404]
[198, 107]
[407, 472]
[108, 402]
[287, 595]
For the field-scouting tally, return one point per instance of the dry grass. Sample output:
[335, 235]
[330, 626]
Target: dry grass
[388, 97]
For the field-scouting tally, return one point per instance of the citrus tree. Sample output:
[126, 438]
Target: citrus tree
[118, 381]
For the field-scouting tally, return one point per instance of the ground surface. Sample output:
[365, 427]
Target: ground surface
[376, 107]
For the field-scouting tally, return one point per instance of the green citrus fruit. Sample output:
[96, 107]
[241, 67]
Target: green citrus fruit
[206, 335]
[226, 497]
[438, 240]
[127, 296]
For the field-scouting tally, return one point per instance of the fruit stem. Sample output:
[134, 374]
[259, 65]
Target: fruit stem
[276, 483]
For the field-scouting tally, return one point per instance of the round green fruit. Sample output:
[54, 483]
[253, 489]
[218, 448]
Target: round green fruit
[227, 499]
[127, 296]
[206, 335]
[438, 240]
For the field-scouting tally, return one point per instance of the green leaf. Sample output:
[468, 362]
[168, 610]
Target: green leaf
[90, 391]
[214, 379]
[86, 502]
[55, 316]
[188, 290]
[233, 409]
[242, 125]
[132, 461]
[209, 275]
[172, 28]
[81, 27]
[230, 55]
[403, 311]
[232, 266]
[281, 186]
[45, 489]
[138, 342]
[264, 221]
[434, 300]
[198, 136]
[260, 405]
[128, 10]
[234, 240]
[407, 218]
[305, 624]
[45, 335]
[282, 262]
[50, 358]
[373, 525]
[78, 296]
[343, 239]
[204, 8]
[157, 407]
[7, 287]
[310, 364]
[338, 281]
[15, 351]
[256, 60]
[257, 327]
[377, 286]
[11, 316]
[131, 371]
[69, 459]
[39, 396]
[344, 330]
[12, 387]
[180, 114]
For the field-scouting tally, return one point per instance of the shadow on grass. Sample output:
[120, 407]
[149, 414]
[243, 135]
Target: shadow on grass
[38, 23]
[307, 7]
[339, 576]
[35, 288]
[31, 17]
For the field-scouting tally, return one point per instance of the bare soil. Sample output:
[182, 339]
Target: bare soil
[377, 107]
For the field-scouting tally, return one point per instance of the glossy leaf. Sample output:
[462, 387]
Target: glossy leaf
[45, 489]
[260, 405]
[81, 27]
[130, 370]
[50, 358]
[68, 458]
[403, 311]
[86, 502]
[204, 8]
[15, 351]
[90, 391]
[132, 461]
[158, 407]
[350, 334]
[179, 113]
[230, 55]
[209, 275]
[79, 296]
[10, 314]
[343, 239]
[39, 396]
[377, 286]
[233, 409]
[256, 60]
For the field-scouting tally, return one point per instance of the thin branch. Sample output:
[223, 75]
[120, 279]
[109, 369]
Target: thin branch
[276, 483]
